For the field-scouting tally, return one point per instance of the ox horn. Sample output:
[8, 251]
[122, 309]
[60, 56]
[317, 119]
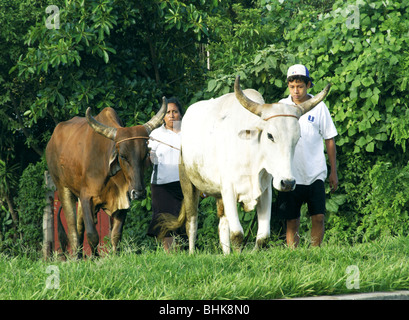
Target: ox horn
[102, 129]
[156, 120]
[311, 103]
[249, 104]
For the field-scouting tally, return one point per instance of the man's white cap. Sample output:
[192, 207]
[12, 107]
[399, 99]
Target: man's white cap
[299, 70]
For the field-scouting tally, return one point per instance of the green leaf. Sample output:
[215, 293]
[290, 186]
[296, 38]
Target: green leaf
[60, 99]
[381, 137]
[375, 99]
[350, 77]
[351, 131]
[106, 56]
[393, 60]
[211, 85]
[370, 147]
[367, 81]
[331, 206]
[361, 142]
[404, 84]
[257, 58]
[279, 83]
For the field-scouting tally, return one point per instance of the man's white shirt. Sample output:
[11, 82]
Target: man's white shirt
[309, 162]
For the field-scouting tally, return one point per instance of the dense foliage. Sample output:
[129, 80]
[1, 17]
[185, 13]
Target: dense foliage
[361, 48]
[128, 54]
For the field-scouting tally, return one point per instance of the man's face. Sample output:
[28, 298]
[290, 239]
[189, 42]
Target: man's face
[298, 91]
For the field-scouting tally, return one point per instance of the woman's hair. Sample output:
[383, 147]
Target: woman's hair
[300, 78]
[177, 103]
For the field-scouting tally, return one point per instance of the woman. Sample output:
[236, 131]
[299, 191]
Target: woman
[167, 194]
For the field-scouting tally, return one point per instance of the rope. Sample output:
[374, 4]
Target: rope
[163, 143]
[281, 115]
[137, 137]
[147, 138]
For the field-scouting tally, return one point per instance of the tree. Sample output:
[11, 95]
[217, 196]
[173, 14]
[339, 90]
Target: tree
[359, 47]
[8, 182]
[128, 54]
[59, 57]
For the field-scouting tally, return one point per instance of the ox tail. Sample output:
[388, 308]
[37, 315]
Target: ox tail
[62, 235]
[168, 222]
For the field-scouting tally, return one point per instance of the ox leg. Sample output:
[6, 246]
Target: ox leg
[190, 203]
[191, 225]
[89, 221]
[116, 232]
[68, 201]
[191, 196]
[224, 230]
[264, 217]
[80, 226]
[230, 211]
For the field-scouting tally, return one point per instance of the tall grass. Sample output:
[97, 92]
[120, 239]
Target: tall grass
[277, 272]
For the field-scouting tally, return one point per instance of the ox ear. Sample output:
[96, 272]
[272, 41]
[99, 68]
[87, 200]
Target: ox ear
[114, 166]
[250, 134]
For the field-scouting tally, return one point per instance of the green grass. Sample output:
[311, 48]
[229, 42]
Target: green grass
[273, 273]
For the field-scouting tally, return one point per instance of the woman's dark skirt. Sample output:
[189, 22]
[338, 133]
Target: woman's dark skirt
[166, 198]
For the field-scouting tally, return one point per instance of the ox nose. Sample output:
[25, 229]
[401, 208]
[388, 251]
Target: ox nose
[138, 195]
[287, 185]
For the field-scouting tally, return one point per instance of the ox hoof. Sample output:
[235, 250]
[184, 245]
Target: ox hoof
[287, 185]
[261, 243]
[236, 239]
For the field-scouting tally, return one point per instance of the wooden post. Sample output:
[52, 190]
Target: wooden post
[48, 218]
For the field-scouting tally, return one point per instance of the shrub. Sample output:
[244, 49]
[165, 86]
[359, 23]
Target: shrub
[30, 206]
[138, 219]
[387, 210]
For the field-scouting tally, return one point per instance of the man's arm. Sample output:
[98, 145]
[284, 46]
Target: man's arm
[332, 157]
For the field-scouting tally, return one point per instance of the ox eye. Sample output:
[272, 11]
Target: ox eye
[123, 157]
[270, 136]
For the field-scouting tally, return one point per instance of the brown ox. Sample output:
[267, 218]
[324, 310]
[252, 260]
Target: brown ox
[100, 163]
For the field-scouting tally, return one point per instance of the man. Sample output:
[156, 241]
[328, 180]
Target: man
[310, 169]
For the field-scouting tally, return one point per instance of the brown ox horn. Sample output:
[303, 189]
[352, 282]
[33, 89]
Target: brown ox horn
[156, 120]
[102, 129]
[249, 104]
[311, 103]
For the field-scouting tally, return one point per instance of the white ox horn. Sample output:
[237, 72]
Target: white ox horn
[311, 103]
[256, 108]
[247, 103]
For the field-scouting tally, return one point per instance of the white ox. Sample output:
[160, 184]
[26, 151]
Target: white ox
[234, 154]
